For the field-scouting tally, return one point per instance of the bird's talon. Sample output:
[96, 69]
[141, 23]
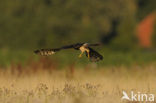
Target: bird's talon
[88, 55]
[80, 56]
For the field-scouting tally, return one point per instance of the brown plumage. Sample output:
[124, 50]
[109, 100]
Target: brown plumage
[93, 55]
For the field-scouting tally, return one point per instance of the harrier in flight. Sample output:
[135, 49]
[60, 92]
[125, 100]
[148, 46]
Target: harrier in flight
[93, 55]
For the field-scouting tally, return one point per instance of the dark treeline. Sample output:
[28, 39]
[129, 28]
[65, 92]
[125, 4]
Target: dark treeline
[45, 23]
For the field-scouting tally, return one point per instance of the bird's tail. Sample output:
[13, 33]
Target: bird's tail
[45, 52]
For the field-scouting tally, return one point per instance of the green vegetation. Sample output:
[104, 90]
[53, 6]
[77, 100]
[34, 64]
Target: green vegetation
[27, 25]
[32, 24]
[48, 23]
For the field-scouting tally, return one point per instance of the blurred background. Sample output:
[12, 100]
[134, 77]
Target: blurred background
[127, 28]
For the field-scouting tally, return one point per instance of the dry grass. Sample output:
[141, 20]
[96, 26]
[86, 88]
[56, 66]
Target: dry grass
[74, 85]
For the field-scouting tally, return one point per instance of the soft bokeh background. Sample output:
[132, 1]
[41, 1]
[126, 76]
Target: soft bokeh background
[26, 25]
[127, 29]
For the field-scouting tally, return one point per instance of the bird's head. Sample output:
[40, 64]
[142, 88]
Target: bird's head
[86, 45]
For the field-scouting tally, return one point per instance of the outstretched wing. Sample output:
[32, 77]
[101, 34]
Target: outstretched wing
[47, 52]
[94, 55]
[96, 44]
[75, 46]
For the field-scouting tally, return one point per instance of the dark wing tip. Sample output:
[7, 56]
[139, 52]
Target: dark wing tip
[46, 52]
[101, 57]
[96, 44]
[36, 51]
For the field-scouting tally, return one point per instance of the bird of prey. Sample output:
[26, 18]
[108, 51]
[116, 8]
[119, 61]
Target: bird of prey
[93, 55]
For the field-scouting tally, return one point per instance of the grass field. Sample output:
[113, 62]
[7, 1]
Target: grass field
[89, 84]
